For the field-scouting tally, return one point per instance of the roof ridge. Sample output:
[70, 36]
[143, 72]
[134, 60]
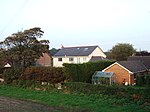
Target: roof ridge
[82, 46]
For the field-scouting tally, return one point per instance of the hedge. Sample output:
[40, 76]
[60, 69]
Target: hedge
[131, 92]
[44, 74]
[11, 74]
[143, 80]
[36, 74]
[83, 72]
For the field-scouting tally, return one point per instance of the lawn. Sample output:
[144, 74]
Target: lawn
[93, 103]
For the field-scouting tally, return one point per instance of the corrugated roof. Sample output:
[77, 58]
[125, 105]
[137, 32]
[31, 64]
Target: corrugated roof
[144, 59]
[133, 66]
[76, 51]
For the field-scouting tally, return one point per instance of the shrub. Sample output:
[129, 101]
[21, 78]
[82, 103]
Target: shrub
[114, 90]
[1, 70]
[83, 72]
[147, 78]
[43, 74]
[11, 74]
[142, 80]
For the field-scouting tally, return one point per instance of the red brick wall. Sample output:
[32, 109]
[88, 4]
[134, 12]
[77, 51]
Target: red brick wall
[45, 60]
[120, 73]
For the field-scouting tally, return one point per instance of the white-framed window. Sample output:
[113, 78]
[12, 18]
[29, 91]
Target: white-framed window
[59, 59]
[78, 60]
[70, 59]
[84, 59]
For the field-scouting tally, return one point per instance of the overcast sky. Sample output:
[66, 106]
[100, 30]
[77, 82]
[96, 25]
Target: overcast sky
[80, 22]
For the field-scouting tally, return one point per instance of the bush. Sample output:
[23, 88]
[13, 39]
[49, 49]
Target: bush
[1, 70]
[26, 83]
[43, 74]
[130, 92]
[11, 75]
[147, 78]
[83, 72]
[142, 80]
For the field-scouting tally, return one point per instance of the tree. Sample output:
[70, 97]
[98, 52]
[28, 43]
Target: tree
[53, 51]
[2, 60]
[21, 49]
[142, 53]
[121, 51]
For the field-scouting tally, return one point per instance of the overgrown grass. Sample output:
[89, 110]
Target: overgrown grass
[95, 102]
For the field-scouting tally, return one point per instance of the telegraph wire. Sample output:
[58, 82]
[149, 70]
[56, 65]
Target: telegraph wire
[13, 17]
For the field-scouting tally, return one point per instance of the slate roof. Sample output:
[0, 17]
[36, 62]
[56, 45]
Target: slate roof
[97, 58]
[76, 51]
[133, 66]
[144, 59]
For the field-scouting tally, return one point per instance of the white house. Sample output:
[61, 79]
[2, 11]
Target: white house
[80, 54]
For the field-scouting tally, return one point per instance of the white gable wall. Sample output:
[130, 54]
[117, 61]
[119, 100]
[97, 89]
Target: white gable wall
[97, 52]
[77, 59]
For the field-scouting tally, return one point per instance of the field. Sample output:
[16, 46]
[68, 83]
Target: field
[74, 102]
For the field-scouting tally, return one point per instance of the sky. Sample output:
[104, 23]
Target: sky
[80, 22]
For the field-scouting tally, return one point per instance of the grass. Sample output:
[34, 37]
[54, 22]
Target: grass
[96, 103]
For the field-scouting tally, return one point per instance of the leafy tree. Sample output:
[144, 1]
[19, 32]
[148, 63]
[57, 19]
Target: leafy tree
[121, 51]
[142, 53]
[53, 51]
[2, 60]
[21, 49]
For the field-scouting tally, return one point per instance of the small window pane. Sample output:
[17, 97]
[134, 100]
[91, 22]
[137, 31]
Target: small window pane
[70, 59]
[84, 59]
[59, 59]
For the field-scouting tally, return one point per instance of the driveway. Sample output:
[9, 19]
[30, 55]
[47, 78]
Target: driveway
[16, 105]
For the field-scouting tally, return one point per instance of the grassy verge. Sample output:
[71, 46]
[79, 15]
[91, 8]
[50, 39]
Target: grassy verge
[96, 103]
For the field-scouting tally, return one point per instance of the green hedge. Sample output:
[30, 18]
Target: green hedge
[132, 92]
[143, 80]
[51, 75]
[44, 74]
[83, 72]
[11, 74]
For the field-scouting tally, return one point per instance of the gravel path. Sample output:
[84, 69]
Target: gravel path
[15, 105]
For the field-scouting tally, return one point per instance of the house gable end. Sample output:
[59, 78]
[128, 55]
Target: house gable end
[98, 52]
[118, 65]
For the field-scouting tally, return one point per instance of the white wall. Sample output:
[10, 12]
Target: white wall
[97, 52]
[65, 59]
[77, 59]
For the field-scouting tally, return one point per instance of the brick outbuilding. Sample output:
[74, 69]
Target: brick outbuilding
[126, 71]
[44, 60]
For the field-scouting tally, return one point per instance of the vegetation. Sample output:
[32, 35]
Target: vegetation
[53, 51]
[50, 75]
[44, 74]
[87, 102]
[21, 49]
[121, 51]
[115, 90]
[11, 74]
[83, 72]
[143, 80]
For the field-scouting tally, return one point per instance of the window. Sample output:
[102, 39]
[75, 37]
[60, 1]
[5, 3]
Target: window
[78, 60]
[85, 49]
[70, 59]
[84, 59]
[59, 59]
